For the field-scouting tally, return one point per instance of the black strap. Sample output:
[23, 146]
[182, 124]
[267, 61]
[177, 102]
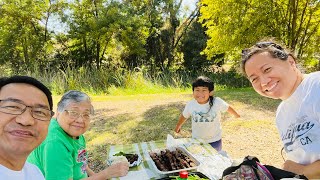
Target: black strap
[280, 173]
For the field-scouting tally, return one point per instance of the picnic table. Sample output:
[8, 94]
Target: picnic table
[212, 163]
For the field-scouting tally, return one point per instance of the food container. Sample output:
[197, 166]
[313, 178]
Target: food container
[183, 150]
[121, 155]
[171, 177]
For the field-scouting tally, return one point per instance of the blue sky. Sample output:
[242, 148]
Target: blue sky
[190, 3]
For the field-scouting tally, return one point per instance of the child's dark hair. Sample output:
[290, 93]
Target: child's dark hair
[203, 81]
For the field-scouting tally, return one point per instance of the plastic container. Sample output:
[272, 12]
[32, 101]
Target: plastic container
[183, 175]
[155, 168]
[201, 175]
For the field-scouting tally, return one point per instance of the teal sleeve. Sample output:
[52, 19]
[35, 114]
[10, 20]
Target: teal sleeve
[57, 161]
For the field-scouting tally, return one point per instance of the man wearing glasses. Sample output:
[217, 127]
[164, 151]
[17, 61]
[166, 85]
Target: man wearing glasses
[25, 113]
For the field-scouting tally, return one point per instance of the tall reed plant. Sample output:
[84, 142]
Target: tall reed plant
[125, 82]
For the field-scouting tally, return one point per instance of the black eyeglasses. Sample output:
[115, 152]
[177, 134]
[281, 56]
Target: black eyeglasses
[9, 106]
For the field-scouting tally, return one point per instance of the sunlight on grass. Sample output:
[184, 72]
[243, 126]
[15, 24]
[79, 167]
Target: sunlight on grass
[127, 126]
[143, 90]
[139, 96]
[262, 128]
[102, 138]
[128, 119]
[249, 123]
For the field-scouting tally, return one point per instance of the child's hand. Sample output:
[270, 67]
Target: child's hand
[177, 129]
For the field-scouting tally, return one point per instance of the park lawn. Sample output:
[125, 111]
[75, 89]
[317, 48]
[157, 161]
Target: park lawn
[145, 117]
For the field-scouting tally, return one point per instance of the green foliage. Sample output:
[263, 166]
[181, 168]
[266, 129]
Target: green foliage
[24, 37]
[151, 35]
[192, 46]
[233, 25]
[230, 79]
[122, 82]
[107, 41]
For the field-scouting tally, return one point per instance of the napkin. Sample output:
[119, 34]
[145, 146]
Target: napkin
[172, 142]
[142, 174]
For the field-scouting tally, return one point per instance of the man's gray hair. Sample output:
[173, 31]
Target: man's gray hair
[73, 96]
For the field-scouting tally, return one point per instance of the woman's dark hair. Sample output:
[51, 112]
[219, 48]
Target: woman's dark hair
[273, 48]
[28, 80]
[203, 81]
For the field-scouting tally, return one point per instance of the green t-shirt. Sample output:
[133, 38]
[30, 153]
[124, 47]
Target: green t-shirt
[60, 156]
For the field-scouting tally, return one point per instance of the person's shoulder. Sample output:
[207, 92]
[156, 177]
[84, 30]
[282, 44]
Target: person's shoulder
[32, 171]
[57, 136]
[220, 100]
[31, 167]
[53, 126]
[311, 81]
[55, 132]
[191, 102]
[314, 76]
[82, 138]
[28, 172]
[316, 73]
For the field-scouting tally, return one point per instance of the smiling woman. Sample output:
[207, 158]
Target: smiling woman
[63, 154]
[273, 73]
[271, 60]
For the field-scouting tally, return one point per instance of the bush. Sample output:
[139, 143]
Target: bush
[138, 81]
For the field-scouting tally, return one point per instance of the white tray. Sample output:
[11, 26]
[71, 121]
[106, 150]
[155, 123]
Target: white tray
[197, 163]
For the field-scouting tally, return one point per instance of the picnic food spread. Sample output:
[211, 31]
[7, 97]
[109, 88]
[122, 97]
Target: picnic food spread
[209, 164]
[168, 160]
[132, 159]
[190, 176]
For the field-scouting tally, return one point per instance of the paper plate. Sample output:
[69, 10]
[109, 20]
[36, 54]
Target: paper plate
[134, 163]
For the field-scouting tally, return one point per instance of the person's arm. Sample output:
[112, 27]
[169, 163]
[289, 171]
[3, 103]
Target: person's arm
[233, 112]
[182, 119]
[90, 172]
[115, 170]
[311, 171]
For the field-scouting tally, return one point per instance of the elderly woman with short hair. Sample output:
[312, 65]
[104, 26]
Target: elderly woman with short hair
[63, 154]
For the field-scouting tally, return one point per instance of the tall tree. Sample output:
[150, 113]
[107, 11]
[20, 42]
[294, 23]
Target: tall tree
[24, 37]
[97, 25]
[192, 45]
[235, 24]
[165, 31]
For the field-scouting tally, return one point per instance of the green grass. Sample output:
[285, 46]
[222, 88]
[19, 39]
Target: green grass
[250, 97]
[144, 122]
[127, 119]
[152, 89]
[136, 106]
